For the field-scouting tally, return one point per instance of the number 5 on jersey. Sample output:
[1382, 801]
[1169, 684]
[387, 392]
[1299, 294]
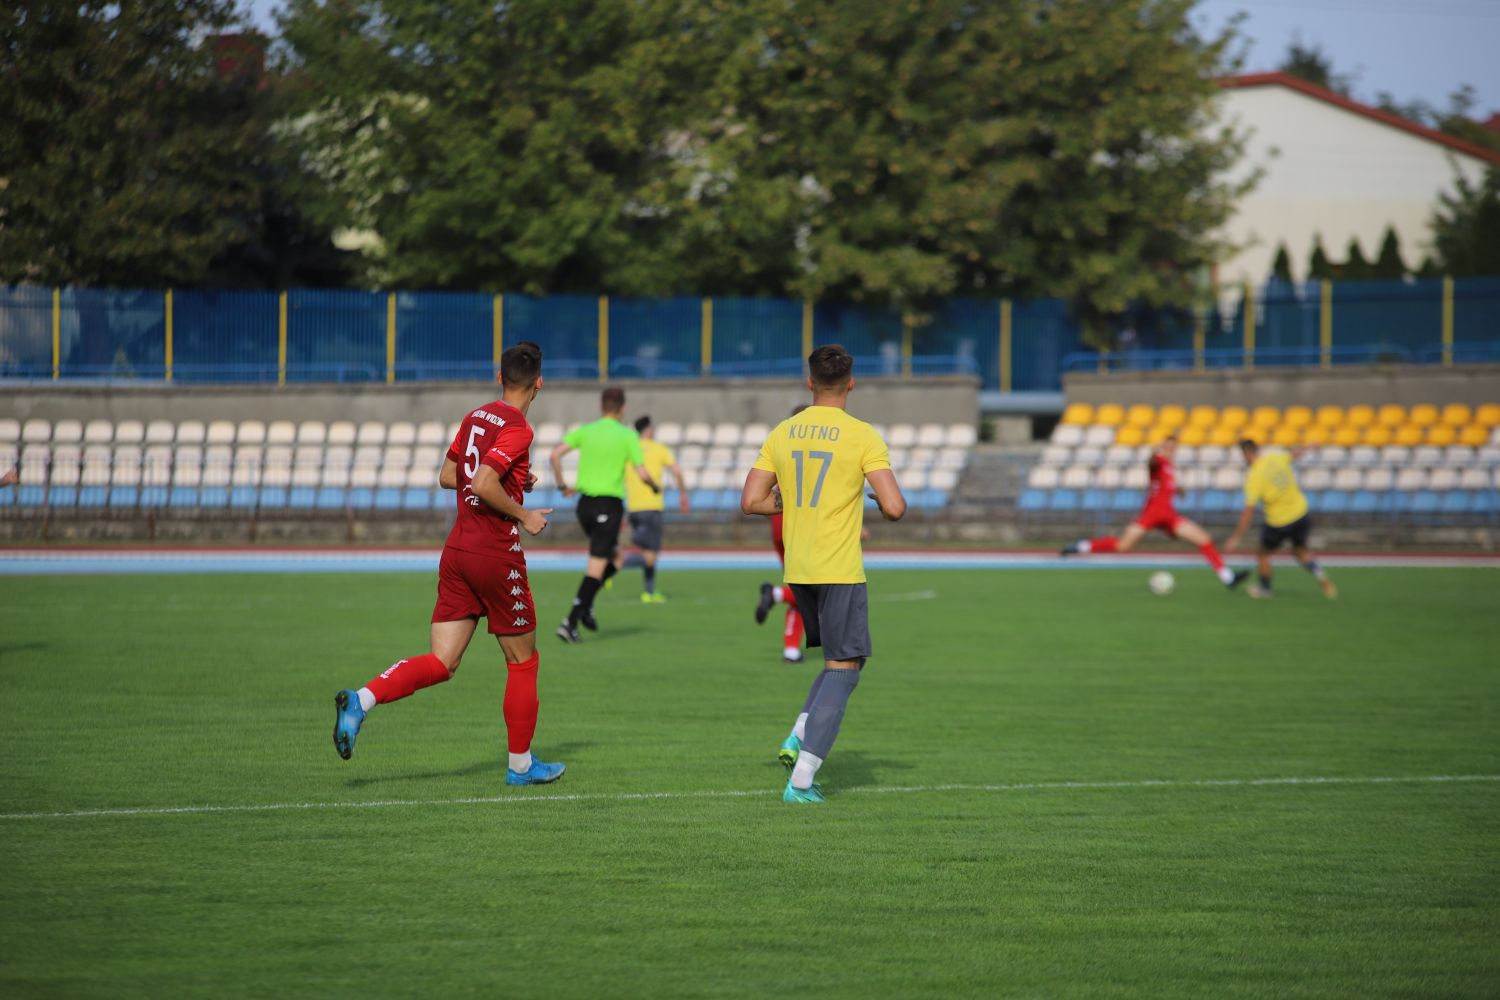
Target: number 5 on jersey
[471, 452]
[825, 458]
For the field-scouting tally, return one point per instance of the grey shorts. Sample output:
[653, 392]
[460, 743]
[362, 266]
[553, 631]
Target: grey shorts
[645, 529]
[837, 617]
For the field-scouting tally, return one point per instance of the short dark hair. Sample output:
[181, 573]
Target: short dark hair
[612, 400]
[1249, 446]
[829, 366]
[641, 424]
[799, 408]
[521, 365]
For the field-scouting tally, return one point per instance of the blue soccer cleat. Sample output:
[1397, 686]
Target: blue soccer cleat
[813, 794]
[791, 747]
[346, 722]
[537, 774]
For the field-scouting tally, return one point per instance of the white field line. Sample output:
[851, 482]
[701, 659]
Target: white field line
[524, 798]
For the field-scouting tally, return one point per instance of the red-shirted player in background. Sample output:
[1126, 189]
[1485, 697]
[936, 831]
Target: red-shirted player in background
[771, 594]
[482, 572]
[1160, 514]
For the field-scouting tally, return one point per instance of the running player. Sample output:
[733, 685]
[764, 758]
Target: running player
[605, 448]
[482, 572]
[772, 594]
[1272, 483]
[812, 469]
[646, 506]
[1160, 514]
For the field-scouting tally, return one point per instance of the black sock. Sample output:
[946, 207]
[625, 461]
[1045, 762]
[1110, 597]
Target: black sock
[584, 602]
[650, 573]
[609, 571]
[1265, 582]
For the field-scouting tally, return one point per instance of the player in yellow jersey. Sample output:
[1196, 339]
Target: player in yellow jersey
[1272, 483]
[812, 470]
[647, 505]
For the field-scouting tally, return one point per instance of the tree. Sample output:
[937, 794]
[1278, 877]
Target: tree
[1281, 268]
[1466, 227]
[1355, 267]
[1319, 268]
[1311, 63]
[123, 143]
[1389, 264]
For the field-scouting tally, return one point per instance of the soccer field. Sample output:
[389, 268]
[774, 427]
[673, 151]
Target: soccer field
[1048, 784]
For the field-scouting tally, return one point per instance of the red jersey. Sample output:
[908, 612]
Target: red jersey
[496, 435]
[1162, 492]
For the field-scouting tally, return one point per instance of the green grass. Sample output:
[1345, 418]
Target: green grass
[183, 691]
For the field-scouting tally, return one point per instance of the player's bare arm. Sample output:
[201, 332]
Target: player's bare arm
[887, 494]
[486, 487]
[531, 481]
[448, 475]
[760, 495]
[557, 470]
[682, 490]
[1233, 541]
[645, 475]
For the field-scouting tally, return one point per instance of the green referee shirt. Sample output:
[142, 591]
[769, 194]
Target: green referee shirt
[605, 447]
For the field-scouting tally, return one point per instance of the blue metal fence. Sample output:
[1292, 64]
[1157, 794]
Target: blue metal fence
[302, 336]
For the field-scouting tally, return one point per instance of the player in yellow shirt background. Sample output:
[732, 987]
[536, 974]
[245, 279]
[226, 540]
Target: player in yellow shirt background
[812, 470]
[646, 507]
[1272, 483]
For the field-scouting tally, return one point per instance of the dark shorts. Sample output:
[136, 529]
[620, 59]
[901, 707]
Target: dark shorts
[837, 617]
[600, 518]
[474, 584]
[645, 529]
[1296, 533]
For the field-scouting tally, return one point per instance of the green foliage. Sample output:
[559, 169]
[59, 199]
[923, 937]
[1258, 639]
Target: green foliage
[1281, 267]
[1466, 227]
[122, 144]
[1389, 264]
[1311, 63]
[1355, 266]
[1319, 268]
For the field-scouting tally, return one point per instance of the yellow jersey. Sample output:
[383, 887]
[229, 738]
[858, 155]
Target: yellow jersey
[1272, 482]
[820, 458]
[657, 458]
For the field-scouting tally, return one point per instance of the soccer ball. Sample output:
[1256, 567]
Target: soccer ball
[1161, 583]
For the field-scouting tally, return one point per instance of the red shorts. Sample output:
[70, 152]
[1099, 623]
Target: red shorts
[472, 584]
[1163, 519]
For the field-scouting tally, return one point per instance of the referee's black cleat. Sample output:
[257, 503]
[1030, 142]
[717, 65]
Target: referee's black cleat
[1240, 576]
[568, 633]
[588, 621]
[767, 599]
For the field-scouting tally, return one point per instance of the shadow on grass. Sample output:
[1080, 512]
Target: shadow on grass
[491, 765]
[11, 649]
[856, 769]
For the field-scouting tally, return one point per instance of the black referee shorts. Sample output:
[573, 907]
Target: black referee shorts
[1296, 533]
[600, 518]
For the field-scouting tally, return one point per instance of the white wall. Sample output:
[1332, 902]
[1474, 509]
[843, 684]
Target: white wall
[1332, 172]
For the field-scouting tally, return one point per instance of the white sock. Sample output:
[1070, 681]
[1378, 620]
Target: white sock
[800, 729]
[778, 594]
[366, 699]
[1085, 546]
[1226, 575]
[793, 653]
[520, 762]
[807, 766]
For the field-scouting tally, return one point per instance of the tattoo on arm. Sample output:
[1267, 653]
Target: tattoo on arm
[776, 499]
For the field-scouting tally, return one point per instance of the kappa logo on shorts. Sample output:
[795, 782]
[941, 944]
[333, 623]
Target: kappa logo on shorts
[518, 606]
[516, 592]
[519, 622]
[514, 575]
[516, 547]
[515, 529]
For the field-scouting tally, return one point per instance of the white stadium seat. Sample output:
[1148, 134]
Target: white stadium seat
[1381, 478]
[1089, 455]
[1458, 455]
[253, 432]
[745, 457]
[1395, 454]
[1109, 477]
[1069, 435]
[698, 432]
[1444, 478]
[1042, 477]
[1055, 455]
[921, 457]
[10, 431]
[221, 432]
[36, 432]
[1363, 455]
[691, 455]
[1411, 479]
[67, 464]
[1474, 478]
[1137, 477]
[156, 465]
[125, 470]
[1317, 478]
[312, 432]
[1348, 478]
[714, 479]
[431, 458]
[756, 434]
[99, 432]
[396, 457]
[33, 463]
[1077, 477]
[1119, 454]
[67, 432]
[191, 432]
[719, 458]
[367, 454]
[726, 436]
[341, 432]
[902, 436]
[281, 432]
[1426, 455]
[392, 477]
[942, 479]
[668, 433]
[1208, 455]
[1197, 477]
[370, 432]
[931, 435]
[431, 433]
[953, 458]
[1228, 477]
[1099, 436]
[962, 436]
[402, 432]
[915, 479]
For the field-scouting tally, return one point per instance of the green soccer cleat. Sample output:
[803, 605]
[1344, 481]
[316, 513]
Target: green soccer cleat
[813, 794]
[791, 747]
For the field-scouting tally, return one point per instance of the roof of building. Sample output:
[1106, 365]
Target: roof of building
[1375, 114]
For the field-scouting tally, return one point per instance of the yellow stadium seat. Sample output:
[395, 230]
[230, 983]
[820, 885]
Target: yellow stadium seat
[1346, 436]
[1474, 436]
[1260, 435]
[1078, 413]
[1287, 437]
[1265, 416]
[1224, 437]
[1234, 417]
[1423, 415]
[1391, 415]
[1408, 435]
[1487, 415]
[1330, 416]
[1175, 416]
[1296, 416]
[1110, 415]
[1160, 433]
[1457, 415]
[1442, 434]
[1376, 436]
[1140, 415]
[1130, 435]
[1359, 416]
[1203, 416]
[1192, 434]
[1315, 436]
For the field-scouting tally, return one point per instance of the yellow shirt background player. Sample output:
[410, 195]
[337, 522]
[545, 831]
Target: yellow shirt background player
[820, 459]
[1272, 483]
[658, 458]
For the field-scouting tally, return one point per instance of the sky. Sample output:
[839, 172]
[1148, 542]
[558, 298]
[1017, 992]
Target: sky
[1413, 49]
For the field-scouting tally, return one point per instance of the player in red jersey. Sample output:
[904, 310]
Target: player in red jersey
[1160, 514]
[771, 595]
[482, 572]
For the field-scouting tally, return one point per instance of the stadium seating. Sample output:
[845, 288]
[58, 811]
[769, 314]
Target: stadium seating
[341, 466]
[1424, 462]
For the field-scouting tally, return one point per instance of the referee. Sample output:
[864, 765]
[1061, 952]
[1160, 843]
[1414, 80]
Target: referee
[605, 448]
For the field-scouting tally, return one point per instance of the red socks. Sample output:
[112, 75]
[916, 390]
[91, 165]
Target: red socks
[792, 634]
[1107, 544]
[1212, 555]
[521, 703]
[407, 676]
